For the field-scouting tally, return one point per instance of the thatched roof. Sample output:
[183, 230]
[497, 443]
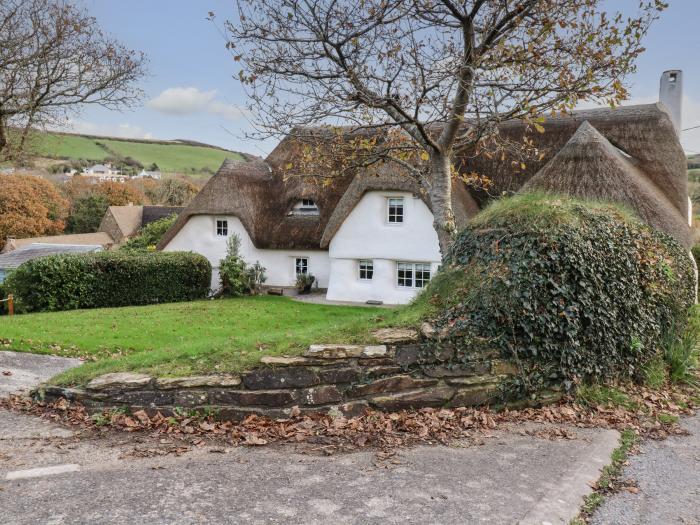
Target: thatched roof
[261, 193]
[644, 132]
[589, 166]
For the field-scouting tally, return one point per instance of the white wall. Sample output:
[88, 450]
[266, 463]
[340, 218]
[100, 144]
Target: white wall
[366, 234]
[199, 235]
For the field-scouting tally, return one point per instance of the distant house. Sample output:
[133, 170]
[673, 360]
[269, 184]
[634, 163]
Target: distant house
[104, 172]
[144, 174]
[123, 222]
[368, 236]
[11, 260]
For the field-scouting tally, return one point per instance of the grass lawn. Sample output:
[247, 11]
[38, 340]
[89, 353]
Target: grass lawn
[212, 336]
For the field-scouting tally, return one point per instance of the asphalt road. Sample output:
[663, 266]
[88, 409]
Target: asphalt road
[51, 474]
[668, 477]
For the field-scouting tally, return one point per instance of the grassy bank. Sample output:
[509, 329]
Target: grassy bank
[227, 335]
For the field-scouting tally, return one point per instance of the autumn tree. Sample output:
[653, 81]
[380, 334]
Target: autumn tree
[54, 59]
[430, 77]
[172, 192]
[30, 207]
[119, 194]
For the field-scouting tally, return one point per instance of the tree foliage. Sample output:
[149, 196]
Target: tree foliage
[29, 207]
[418, 80]
[149, 236]
[54, 58]
[86, 213]
[171, 192]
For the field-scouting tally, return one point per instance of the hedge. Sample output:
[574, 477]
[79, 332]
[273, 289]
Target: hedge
[104, 279]
[569, 290]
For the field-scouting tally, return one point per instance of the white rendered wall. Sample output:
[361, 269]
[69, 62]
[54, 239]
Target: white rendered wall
[199, 235]
[366, 234]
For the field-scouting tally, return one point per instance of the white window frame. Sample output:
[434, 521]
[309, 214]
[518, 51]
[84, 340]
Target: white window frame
[296, 266]
[369, 268]
[224, 227]
[414, 268]
[388, 214]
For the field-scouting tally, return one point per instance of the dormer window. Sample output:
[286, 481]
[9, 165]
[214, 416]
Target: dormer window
[305, 207]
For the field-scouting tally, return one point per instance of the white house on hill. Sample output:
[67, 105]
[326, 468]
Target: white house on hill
[368, 236]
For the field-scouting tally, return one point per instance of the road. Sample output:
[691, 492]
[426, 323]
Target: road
[668, 478]
[52, 474]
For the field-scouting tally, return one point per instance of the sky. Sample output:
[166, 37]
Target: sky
[191, 91]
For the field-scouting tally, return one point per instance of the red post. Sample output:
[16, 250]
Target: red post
[11, 304]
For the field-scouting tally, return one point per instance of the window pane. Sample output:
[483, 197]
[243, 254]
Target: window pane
[302, 266]
[366, 270]
[395, 210]
[422, 275]
[405, 274]
[222, 228]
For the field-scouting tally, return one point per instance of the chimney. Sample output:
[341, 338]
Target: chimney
[671, 95]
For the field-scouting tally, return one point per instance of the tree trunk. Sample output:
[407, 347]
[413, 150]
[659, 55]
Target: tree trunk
[3, 134]
[441, 199]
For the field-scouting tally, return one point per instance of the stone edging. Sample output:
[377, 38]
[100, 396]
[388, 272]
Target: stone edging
[337, 379]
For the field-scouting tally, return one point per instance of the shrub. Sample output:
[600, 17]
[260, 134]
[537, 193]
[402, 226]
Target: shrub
[66, 282]
[150, 235]
[236, 277]
[570, 290]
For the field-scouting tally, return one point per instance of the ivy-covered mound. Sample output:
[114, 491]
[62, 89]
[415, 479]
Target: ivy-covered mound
[568, 290]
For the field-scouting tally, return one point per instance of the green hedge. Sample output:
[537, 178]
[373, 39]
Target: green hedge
[572, 291]
[66, 282]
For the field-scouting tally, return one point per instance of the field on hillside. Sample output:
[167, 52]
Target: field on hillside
[170, 157]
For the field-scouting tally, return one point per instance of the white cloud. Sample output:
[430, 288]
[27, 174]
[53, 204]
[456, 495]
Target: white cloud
[191, 100]
[123, 130]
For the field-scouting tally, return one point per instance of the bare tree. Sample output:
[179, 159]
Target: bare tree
[54, 58]
[429, 77]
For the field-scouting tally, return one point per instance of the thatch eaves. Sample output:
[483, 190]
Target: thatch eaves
[589, 166]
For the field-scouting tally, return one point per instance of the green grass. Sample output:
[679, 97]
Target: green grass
[213, 336]
[594, 395]
[66, 146]
[182, 158]
[172, 157]
[537, 208]
[610, 473]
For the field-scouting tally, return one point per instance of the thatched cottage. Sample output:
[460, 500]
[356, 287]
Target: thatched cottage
[369, 234]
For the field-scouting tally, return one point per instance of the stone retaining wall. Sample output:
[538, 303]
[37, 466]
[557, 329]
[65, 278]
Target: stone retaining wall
[340, 379]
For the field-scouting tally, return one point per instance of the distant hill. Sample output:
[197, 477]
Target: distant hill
[694, 168]
[182, 156]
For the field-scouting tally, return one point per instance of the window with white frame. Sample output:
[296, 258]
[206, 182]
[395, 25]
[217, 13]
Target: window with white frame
[395, 210]
[221, 227]
[366, 270]
[301, 265]
[412, 275]
[305, 207]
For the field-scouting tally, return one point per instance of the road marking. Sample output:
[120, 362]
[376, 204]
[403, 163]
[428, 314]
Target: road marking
[43, 471]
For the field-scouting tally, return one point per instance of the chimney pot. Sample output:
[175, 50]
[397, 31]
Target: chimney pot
[671, 95]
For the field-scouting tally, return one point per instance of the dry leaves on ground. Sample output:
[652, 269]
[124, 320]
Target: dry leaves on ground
[384, 430]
